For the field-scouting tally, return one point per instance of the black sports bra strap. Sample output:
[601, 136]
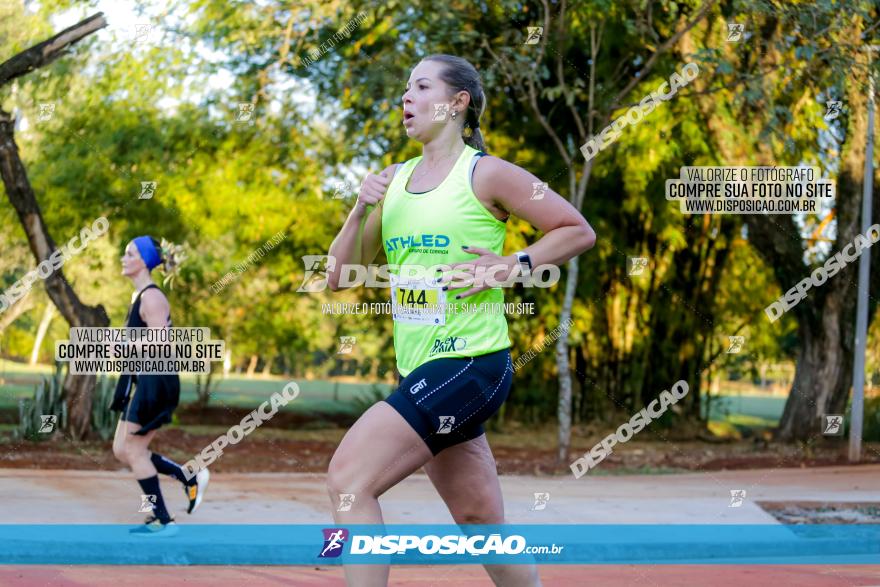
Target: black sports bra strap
[140, 293]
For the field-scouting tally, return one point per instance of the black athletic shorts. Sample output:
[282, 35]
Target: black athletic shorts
[147, 399]
[447, 400]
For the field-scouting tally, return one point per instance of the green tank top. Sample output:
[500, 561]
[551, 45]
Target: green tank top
[426, 230]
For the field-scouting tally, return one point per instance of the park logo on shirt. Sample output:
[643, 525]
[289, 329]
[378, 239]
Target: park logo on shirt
[448, 345]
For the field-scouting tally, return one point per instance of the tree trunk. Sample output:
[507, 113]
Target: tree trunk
[206, 390]
[826, 324]
[824, 368]
[577, 190]
[252, 366]
[77, 388]
[580, 370]
[48, 315]
[563, 408]
[826, 315]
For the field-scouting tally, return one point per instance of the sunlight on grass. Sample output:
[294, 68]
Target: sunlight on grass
[750, 421]
[724, 429]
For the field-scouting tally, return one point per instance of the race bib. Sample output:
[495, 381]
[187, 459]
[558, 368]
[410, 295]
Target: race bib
[416, 301]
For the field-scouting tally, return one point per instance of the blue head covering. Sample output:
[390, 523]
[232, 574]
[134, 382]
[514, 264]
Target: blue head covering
[148, 251]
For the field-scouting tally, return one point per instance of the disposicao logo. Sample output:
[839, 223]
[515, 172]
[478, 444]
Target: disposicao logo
[334, 541]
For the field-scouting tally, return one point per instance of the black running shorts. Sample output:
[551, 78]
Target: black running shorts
[447, 400]
[150, 401]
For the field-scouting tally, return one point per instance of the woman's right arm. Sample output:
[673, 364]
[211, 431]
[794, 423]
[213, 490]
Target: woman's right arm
[359, 239]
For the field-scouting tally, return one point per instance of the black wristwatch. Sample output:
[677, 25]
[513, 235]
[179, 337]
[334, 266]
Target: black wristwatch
[525, 263]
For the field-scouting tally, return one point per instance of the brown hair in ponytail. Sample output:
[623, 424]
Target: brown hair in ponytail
[172, 256]
[460, 75]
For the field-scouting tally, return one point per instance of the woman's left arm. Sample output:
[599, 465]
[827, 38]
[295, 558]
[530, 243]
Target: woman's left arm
[566, 232]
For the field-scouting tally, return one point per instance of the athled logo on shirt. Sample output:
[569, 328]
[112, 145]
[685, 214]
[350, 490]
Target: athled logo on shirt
[419, 243]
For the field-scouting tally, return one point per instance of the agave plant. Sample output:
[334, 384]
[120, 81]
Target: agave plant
[103, 419]
[46, 412]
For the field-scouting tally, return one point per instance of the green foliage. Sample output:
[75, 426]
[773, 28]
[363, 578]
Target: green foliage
[871, 426]
[104, 419]
[47, 401]
[162, 113]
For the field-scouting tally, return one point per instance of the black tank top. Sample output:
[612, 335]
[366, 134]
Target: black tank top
[133, 319]
[124, 385]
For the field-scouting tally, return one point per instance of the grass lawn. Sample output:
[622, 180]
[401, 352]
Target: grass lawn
[730, 410]
[17, 381]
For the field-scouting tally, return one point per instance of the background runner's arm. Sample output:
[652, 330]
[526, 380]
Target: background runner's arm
[359, 239]
[155, 310]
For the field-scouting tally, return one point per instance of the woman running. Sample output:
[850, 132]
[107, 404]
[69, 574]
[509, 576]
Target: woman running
[447, 207]
[147, 401]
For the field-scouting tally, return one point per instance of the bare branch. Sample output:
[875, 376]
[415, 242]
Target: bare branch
[560, 73]
[49, 50]
[652, 60]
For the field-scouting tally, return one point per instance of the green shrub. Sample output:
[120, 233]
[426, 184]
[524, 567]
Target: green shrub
[47, 401]
[871, 429]
[103, 418]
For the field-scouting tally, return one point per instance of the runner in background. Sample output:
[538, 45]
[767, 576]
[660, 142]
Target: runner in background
[147, 401]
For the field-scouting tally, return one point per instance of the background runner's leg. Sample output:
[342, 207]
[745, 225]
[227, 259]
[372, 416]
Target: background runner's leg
[119, 442]
[137, 450]
[138, 454]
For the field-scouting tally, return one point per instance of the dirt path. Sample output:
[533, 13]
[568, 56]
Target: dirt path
[304, 451]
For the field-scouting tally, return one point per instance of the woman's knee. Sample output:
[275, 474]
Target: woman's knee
[348, 476]
[134, 453]
[478, 517]
[479, 509]
[120, 454]
[341, 475]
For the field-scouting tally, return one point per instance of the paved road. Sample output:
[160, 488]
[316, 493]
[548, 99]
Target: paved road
[103, 497]
[100, 497]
